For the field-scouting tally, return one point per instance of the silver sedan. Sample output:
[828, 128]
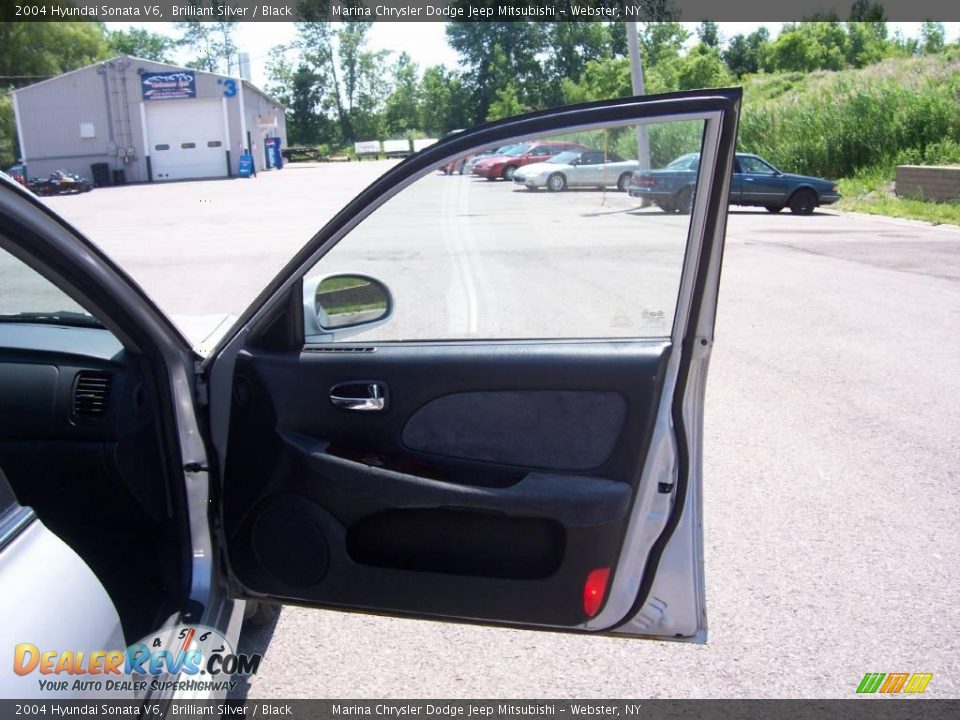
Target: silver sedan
[578, 168]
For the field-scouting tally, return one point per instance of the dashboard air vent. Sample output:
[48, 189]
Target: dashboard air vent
[91, 391]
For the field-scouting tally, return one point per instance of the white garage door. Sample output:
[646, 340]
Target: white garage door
[186, 139]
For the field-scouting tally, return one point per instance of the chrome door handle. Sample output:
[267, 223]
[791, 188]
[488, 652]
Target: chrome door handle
[366, 397]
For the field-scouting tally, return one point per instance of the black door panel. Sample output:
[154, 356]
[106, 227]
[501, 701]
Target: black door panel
[555, 429]
[369, 509]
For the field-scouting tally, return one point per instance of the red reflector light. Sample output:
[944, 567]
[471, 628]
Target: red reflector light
[594, 590]
[645, 182]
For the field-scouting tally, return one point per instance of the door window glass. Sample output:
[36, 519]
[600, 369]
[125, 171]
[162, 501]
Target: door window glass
[755, 165]
[466, 258]
[27, 296]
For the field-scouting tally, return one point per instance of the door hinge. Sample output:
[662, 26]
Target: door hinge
[195, 467]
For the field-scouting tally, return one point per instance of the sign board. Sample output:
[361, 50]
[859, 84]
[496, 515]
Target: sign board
[176, 85]
[421, 143]
[246, 166]
[367, 147]
[396, 147]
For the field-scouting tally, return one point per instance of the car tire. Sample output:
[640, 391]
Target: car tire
[556, 183]
[803, 202]
[684, 201]
[491, 179]
[623, 181]
[666, 206]
[508, 172]
[773, 208]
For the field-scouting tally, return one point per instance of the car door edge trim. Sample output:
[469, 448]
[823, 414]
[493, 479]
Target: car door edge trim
[711, 211]
[13, 523]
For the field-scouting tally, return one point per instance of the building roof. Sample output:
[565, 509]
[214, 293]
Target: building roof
[55, 78]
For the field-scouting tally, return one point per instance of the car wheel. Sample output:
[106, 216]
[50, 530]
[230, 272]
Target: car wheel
[508, 172]
[803, 202]
[666, 206]
[774, 208]
[684, 203]
[623, 181]
[491, 179]
[556, 183]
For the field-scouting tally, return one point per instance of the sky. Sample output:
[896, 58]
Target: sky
[426, 42]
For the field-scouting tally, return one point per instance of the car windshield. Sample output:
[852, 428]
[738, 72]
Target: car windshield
[517, 150]
[28, 297]
[564, 158]
[684, 162]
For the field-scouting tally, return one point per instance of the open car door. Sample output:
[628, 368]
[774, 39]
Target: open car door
[469, 400]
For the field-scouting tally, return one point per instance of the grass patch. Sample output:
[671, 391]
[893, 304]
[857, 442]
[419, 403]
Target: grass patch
[871, 192]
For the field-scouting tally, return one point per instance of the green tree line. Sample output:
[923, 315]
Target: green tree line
[338, 89]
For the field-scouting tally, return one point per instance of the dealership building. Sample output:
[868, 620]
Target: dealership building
[131, 120]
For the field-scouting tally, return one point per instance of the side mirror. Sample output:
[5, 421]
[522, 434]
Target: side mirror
[335, 306]
[575, 161]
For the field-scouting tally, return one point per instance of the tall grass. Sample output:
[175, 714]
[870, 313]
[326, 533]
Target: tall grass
[852, 122]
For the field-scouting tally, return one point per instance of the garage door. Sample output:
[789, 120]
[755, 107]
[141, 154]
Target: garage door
[186, 139]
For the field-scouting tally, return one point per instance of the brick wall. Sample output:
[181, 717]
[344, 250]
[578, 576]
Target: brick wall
[929, 183]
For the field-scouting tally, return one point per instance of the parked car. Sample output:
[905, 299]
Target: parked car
[503, 166]
[60, 182]
[464, 165]
[18, 173]
[577, 168]
[755, 182]
[154, 487]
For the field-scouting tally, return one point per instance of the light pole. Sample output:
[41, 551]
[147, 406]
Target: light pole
[636, 76]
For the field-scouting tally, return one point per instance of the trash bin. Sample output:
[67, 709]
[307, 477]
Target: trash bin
[101, 174]
[119, 178]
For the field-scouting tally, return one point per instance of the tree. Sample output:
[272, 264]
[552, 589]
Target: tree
[506, 104]
[744, 54]
[570, 46]
[33, 51]
[806, 46]
[932, 37]
[211, 42]
[495, 53]
[299, 89]
[402, 110]
[661, 41]
[709, 34]
[702, 68]
[445, 105]
[141, 43]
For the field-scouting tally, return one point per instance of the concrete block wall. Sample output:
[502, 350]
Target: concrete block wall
[929, 182]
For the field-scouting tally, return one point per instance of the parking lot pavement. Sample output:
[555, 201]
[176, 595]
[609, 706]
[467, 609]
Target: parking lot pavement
[832, 486]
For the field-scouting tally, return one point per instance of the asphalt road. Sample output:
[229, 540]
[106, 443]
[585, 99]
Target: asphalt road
[832, 460]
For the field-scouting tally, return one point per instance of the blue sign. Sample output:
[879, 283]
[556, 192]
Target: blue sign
[176, 85]
[246, 166]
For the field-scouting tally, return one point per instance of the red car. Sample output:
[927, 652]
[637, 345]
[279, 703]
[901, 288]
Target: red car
[503, 166]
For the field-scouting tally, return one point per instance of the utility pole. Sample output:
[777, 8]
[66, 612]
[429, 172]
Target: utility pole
[636, 76]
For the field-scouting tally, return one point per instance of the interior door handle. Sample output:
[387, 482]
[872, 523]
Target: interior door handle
[359, 396]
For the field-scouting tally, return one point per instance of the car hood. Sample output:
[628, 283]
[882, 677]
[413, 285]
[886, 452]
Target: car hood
[204, 331]
[493, 159]
[808, 179]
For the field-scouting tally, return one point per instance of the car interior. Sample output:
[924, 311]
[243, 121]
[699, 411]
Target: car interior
[81, 444]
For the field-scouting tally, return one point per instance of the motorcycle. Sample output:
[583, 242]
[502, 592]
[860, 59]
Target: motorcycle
[60, 182]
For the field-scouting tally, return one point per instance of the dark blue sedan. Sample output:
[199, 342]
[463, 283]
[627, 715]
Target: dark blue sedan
[755, 182]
